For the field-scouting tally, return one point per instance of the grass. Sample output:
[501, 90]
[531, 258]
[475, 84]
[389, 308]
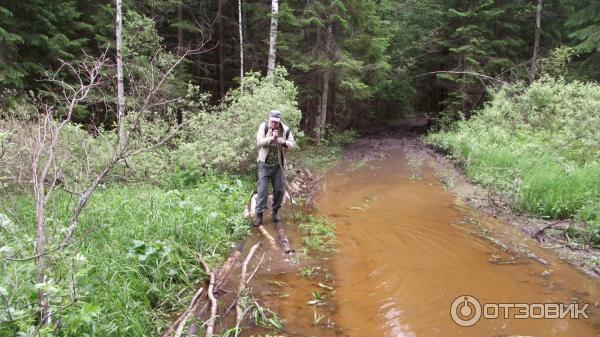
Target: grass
[539, 148]
[308, 272]
[133, 263]
[136, 264]
[318, 233]
[323, 154]
[264, 317]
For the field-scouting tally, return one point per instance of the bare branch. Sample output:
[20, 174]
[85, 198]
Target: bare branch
[210, 325]
[492, 79]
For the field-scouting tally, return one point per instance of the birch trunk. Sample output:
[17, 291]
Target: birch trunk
[40, 236]
[120, 90]
[221, 56]
[536, 42]
[273, 37]
[241, 46]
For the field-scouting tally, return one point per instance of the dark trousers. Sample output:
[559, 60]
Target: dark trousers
[266, 173]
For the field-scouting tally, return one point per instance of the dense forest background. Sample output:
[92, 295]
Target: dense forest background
[127, 131]
[357, 59]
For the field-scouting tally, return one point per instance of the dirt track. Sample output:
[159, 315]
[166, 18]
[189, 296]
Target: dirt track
[548, 232]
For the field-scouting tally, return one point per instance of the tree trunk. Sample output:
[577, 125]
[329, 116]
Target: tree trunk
[332, 89]
[1, 53]
[536, 42]
[221, 57]
[40, 236]
[273, 37]
[241, 46]
[120, 90]
[179, 29]
[322, 117]
[462, 84]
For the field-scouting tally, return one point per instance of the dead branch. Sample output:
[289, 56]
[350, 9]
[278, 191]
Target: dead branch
[479, 76]
[210, 323]
[270, 238]
[220, 279]
[256, 268]
[180, 322]
[84, 197]
[243, 282]
[569, 245]
[543, 229]
[188, 313]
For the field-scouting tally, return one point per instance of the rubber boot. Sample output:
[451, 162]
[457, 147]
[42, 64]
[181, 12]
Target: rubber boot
[258, 220]
[276, 217]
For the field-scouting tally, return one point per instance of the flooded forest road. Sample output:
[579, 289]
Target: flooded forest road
[407, 247]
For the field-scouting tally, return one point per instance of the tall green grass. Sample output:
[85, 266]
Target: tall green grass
[318, 233]
[134, 260]
[539, 146]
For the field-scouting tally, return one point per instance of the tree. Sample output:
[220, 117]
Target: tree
[536, 43]
[35, 35]
[336, 50]
[586, 25]
[273, 37]
[240, 29]
[46, 136]
[481, 37]
[120, 90]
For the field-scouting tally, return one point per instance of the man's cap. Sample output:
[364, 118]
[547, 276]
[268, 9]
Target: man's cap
[275, 115]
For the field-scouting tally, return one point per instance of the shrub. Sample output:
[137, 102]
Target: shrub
[225, 138]
[539, 145]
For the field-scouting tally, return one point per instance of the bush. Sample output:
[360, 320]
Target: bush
[225, 138]
[540, 145]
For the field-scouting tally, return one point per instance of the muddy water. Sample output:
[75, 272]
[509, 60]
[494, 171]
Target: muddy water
[406, 251]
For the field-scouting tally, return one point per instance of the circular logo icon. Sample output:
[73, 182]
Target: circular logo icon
[465, 310]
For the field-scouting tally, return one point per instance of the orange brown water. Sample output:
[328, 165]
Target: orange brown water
[404, 257]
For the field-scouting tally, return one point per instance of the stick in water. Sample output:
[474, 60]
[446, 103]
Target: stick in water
[210, 324]
[243, 281]
[268, 236]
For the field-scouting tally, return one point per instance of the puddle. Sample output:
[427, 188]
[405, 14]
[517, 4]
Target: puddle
[406, 251]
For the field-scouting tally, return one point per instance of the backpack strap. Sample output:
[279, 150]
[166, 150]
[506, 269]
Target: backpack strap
[266, 128]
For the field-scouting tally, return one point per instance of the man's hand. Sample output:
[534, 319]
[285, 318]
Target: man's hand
[280, 140]
[275, 133]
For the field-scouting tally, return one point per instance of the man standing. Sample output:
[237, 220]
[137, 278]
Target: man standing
[272, 138]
